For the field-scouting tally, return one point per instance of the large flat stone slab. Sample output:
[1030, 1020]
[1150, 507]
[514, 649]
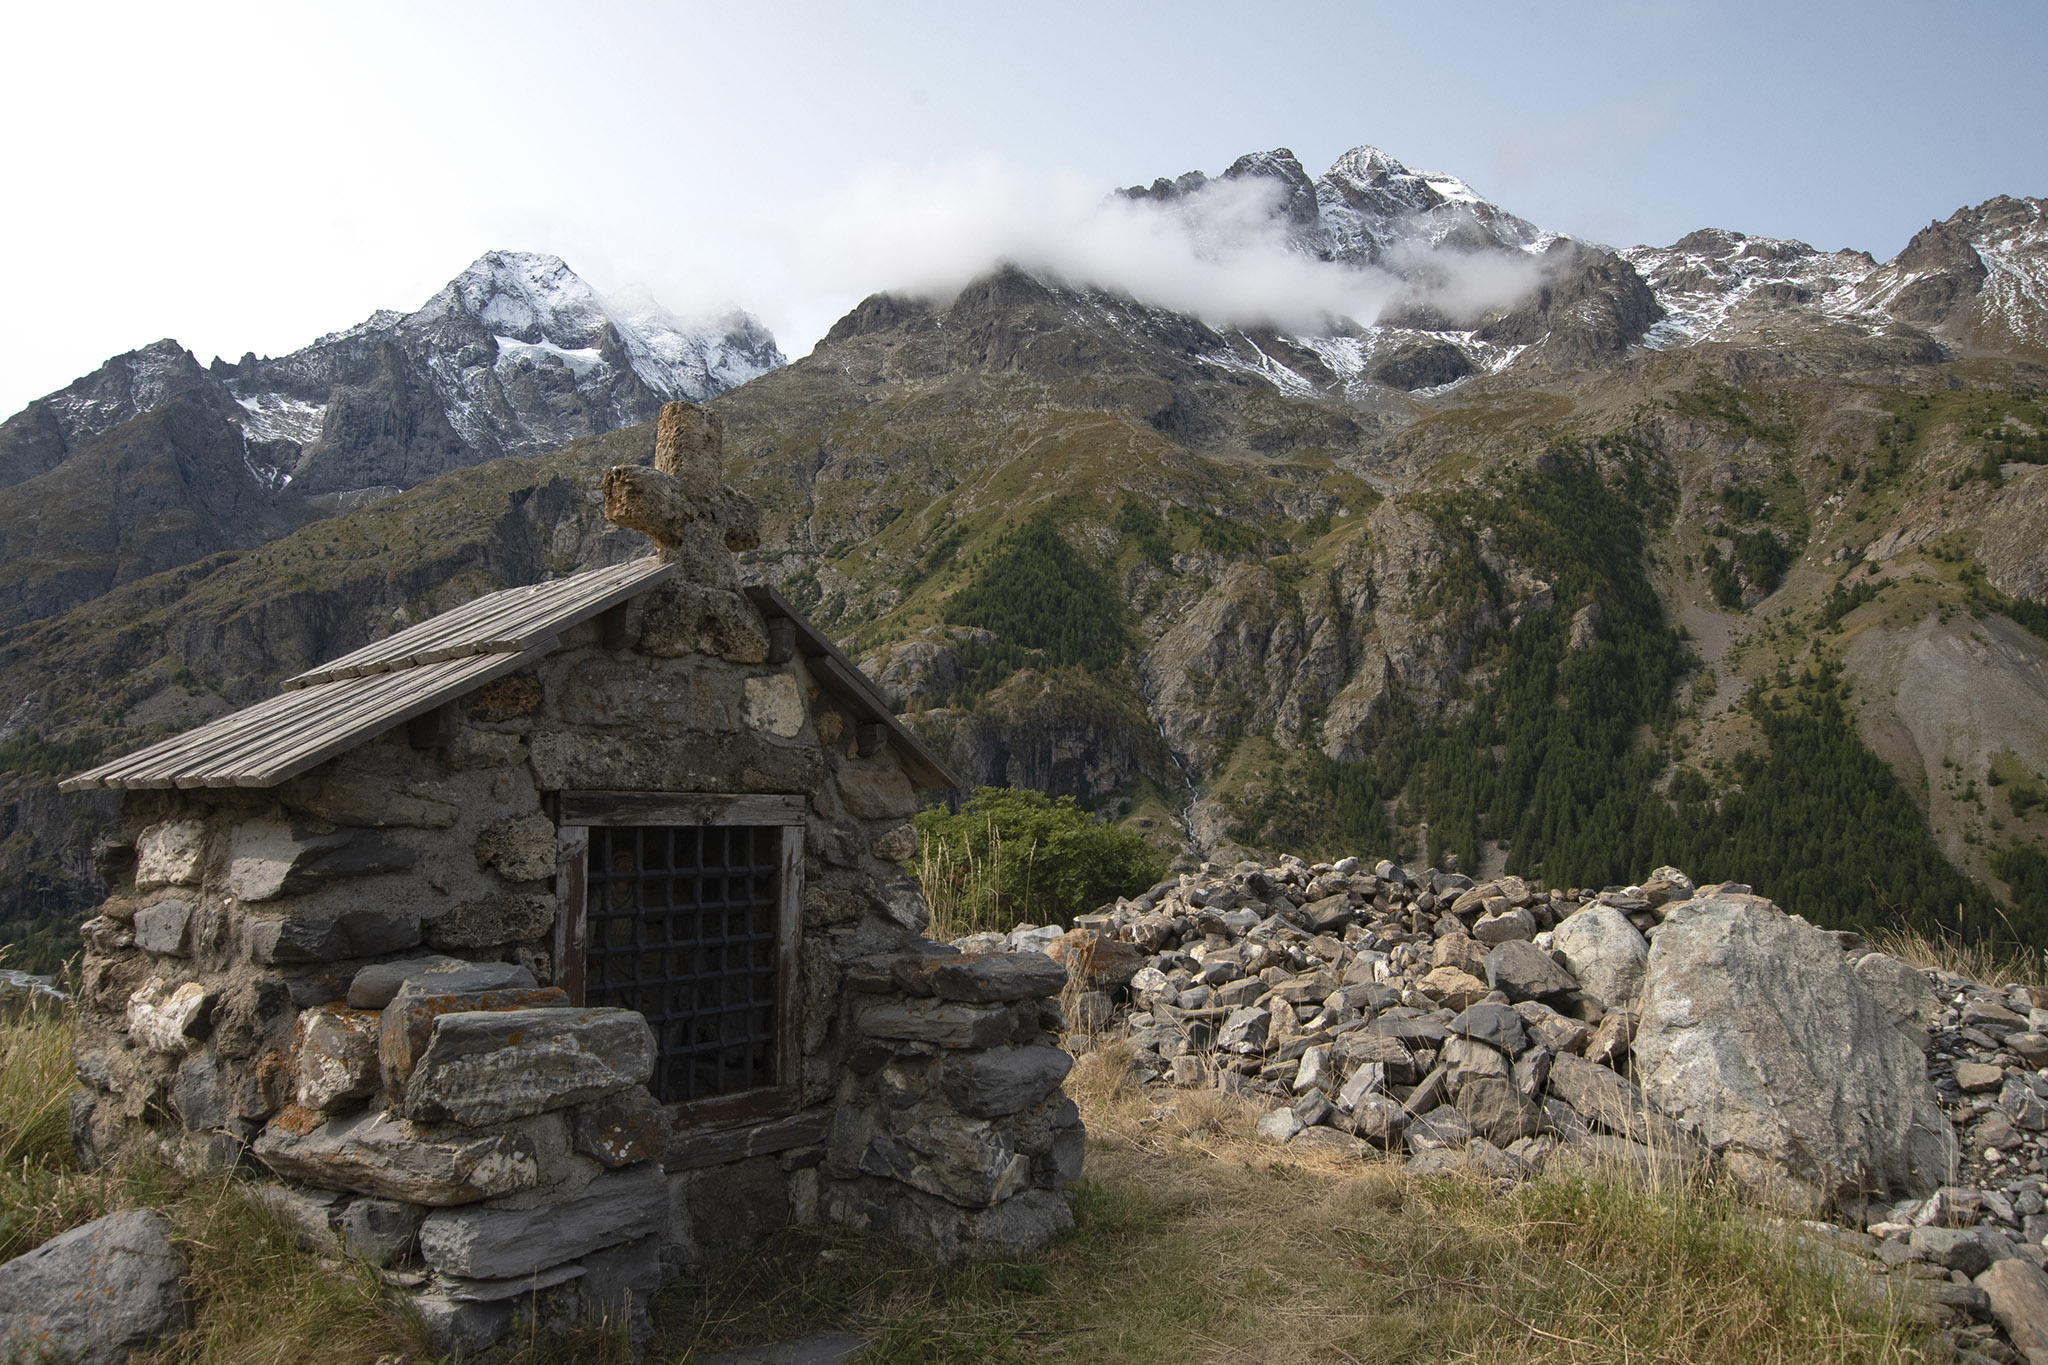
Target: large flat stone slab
[499, 1244]
[408, 1021]
[378, 1153]
[979, 978]
[945, 1022]
[492, 1066]
[1003, 1080]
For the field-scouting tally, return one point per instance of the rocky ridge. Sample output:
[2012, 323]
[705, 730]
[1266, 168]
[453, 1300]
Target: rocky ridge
[1500, 1030]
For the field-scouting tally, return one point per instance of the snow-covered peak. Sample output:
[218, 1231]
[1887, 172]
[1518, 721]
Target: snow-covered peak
[525, 296]
[514, 356]
[1366, 165]
[1368, 172]
[1373, 210]
[698, 358]
[1369, 209]
[538, 310]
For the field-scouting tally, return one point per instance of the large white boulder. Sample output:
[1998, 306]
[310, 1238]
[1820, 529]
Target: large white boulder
[1604, 951]
[1757, 1035]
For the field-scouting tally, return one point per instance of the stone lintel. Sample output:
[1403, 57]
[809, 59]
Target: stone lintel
[690, 1151]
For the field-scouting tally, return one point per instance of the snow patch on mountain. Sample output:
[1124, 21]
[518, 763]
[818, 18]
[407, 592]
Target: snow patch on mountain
[280, 417]
[581, 362]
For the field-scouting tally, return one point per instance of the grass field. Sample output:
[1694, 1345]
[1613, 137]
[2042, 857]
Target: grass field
[1193, 1244]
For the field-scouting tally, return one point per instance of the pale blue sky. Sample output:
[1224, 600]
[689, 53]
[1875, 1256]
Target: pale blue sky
[248, 176]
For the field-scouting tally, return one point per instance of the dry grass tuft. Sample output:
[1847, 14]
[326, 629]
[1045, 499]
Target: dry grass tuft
[1999, 965]
[258, 1298]
[961, 888]
[42, 1191]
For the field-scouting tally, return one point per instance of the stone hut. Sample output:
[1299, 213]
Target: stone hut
[562, 938]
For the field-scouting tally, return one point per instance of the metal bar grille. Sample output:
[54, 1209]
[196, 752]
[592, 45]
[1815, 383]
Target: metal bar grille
[681, 925]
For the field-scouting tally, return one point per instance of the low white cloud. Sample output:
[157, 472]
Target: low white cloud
[1221, 253]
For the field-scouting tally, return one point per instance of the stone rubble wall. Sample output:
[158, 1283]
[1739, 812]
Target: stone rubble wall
[347, 981]
[1372, 1008]
[1506, 1025]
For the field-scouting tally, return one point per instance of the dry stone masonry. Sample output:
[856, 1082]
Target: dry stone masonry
[380, 982]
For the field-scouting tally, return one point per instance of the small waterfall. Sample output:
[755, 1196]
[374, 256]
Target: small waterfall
[1187, 776]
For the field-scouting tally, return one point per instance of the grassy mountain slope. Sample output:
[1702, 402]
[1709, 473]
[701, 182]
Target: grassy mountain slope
[1670, 604]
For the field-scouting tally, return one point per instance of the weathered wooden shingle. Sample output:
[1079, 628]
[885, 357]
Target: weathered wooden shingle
[507, 622]
[328, 710]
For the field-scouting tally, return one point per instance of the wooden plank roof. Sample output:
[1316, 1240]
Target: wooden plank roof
[328, 710]
[292, 732]
[508, 622]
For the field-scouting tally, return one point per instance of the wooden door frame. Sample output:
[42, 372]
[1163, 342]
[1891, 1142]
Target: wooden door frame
[579, 811]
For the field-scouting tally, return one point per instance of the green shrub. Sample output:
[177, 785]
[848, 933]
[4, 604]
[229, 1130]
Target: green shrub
[1013, 856]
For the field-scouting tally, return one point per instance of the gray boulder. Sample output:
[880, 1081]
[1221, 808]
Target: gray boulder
[1757, 1035]
[1604, 952]
[1604, 1100]
[1499, 1112]
[498, 1244]
[1490, 1023]
[1525, 972]
[1438, 1128]
[95, 1293]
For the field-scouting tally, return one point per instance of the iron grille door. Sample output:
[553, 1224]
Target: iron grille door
[685, 924]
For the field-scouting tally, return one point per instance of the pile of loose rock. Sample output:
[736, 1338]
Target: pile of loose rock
[1418, 1013]
[1507, 1029]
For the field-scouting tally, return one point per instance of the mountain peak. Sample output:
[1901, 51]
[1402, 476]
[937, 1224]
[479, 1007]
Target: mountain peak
[1367, 164]
[526, 296]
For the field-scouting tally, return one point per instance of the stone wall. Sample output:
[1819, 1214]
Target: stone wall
[347, 981]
